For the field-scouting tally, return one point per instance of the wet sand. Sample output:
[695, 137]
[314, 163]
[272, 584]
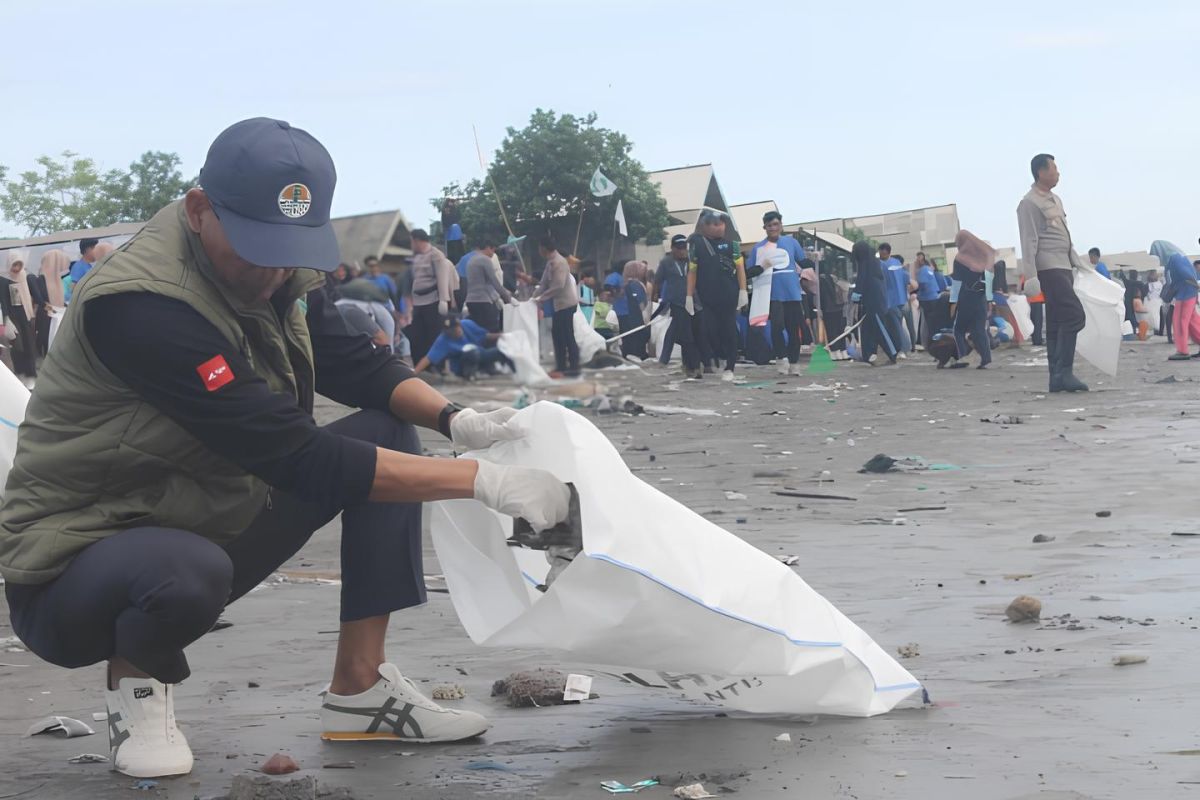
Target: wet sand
[1020, 711]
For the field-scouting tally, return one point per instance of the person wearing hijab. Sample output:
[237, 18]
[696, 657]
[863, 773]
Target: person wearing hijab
[1182, 277]
[55, 264]
[870, 288]
[971, 294]
[717, 276]
[630, 307]
[17, 304]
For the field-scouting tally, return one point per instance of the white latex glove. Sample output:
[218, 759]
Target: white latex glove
[743, 298]
[531, 494]
[443, 307]
[1033, 287]
[470, 430]
[514, 302]
[689, 305]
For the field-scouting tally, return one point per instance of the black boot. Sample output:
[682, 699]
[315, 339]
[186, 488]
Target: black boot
[1052, 360]
[1066, 380]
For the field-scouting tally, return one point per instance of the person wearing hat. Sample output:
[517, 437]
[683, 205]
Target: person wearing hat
[466, 346]
[717, 280]
[670, 281]
[160, 477]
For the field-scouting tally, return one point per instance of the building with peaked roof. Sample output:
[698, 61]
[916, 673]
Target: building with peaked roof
[931, 229]
[747, 219]
[382, 234]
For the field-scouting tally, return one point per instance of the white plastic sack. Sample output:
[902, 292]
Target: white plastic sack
[590, 343]
[658, 588]
[1154, 307]
[1104, 308]
[524, 317]
[1018, 304]
[526, 369]
[658, 333]
[13, 399]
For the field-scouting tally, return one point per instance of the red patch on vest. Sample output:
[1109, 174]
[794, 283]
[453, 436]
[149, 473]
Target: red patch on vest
[215, 373]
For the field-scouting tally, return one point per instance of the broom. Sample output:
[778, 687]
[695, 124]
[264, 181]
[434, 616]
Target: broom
[822, 362]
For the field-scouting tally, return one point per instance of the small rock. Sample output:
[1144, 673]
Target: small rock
[279, 764]
[902, 774]
[1024, 609]
[1103, 514]
[1129, 659]
[910, 650]
[449, 691]
[252, 685]
[1042, 538]
[740, 520]
[532, 688]
[694, 791]
[783, 737]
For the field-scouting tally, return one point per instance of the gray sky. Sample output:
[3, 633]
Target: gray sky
[830, 109]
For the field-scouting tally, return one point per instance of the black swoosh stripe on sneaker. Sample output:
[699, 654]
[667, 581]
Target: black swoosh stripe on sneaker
[387, 713]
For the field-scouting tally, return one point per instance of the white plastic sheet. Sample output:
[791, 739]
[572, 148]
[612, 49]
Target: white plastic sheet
[658, 334]
[526, 369]
[524, 317]
[13, 399]
[1018, 304]
[1104, 307]
[661, 593]
[590, 343]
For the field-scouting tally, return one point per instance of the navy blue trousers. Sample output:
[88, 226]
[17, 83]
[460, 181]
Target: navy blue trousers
[145, 594]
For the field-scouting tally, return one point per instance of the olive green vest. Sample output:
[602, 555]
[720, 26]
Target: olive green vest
[93, 458]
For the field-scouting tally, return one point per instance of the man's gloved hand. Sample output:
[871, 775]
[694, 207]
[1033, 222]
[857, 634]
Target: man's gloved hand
[443, 307]
[470, 430]
[689, 305]
[855, 297]
[743, 298]
[534, 495]
[1032, 288]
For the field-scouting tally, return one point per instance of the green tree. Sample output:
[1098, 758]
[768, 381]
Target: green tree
[69, 192]
[857, 235]
[543, 172]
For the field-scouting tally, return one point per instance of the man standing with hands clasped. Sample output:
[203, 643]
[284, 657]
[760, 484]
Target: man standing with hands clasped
[159, 478]
[1048, 264]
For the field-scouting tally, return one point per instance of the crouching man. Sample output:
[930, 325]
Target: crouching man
[169, 460]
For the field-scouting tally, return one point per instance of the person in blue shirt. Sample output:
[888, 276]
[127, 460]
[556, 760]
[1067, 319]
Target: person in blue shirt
[1101, 267]
[931, 284]
[466, 347]
[787, 296]
[1181, 274]
[381, 279]
[87, 260]
[896, 281]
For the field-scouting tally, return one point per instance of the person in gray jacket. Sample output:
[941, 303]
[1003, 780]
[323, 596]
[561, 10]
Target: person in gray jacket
[485, 289]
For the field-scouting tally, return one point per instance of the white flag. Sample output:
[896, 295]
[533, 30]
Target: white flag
[621, 219]
[602, 186]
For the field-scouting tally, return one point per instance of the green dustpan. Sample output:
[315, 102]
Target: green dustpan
[821, 362]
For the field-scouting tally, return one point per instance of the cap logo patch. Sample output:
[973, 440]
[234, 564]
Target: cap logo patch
[295, 200]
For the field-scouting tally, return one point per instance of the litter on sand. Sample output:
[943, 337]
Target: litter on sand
[734, 496]
[88, 758]
[62, 727]
[616, 787]
[693, 791]
[1129, 659]
[1003, 419]
[578, 688]
[690, 412]
[783, 737]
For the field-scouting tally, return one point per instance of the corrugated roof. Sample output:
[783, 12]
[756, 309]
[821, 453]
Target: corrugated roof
[65, 237]
[375, 234]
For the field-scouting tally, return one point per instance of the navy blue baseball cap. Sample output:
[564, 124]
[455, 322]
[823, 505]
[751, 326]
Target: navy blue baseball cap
[271, 186]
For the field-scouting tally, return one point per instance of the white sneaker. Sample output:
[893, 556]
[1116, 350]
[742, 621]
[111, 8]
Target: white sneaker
[781, 366]
[143, 741]
[727, 376]
[796, 370]
[806, 348]
[902, 355]
[396, 705]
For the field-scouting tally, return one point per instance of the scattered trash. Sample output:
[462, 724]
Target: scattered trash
[1024, 609]
[1184, 533]
[1168, 379]
[62, 727]
[1018, 576]
[783, 737]
[902, 774]
[145, 785]
[809, 496]
[1103, 514]
[789, 561]
[340, 765]
[533, 688]
[691, 412]
[910, 650]
[252, 685]
[279, 764]
[616, 787]
[740, 520]
[449, 691]
[694, 791]
[88, 758]
[100, 716]
[768, 473]
[1129, 660]
[1042, 538]
[921, 508]
[1003, 419]
[755, 384]
[734, 496]
[578, 688]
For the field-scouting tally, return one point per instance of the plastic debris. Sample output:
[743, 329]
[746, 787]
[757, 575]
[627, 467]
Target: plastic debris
[1003, 419]
[449, 691]
[789, 561]
[1129, 659]
[88, 758]
[578, 688]
[783, 737]
[910, 650]
[62, 727]
[691, 412]
[734, 496]
[616, 787]
[693, 791]
[1103, 514]
[145, 785]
